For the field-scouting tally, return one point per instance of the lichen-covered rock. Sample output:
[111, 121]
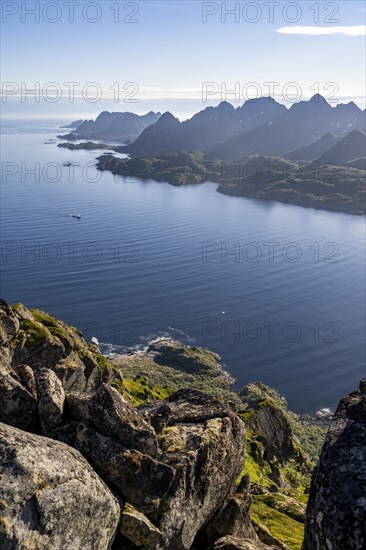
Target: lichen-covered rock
[111, 415]
[233, 518]
[139, 529]
[43, 352]
[50, 498]
[17, 406]
[9, 324]
[235, 543]
[267, 538]
[26, 375]
[51, 399]
[71, 371]
[336, 513]
[207, 457]
[139, 478]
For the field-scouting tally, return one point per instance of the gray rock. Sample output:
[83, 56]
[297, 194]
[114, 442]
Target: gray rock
[71, 372]
[336, 513]
[27, 378]
[139, 529]
[267, 538]
[139, 478]
[51, 398]
[50, 497]
[17, 406]
[203, 440]
[233, 519]
[43, 354]
[235, 543]
[111, 415]
[9, 324]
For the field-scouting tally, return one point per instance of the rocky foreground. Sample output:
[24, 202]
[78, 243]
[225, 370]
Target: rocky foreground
[157, 452]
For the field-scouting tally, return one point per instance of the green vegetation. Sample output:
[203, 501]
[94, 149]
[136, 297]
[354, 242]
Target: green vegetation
[35, 331]
[162, 376]
[280, 524]
[175, 168]
[138, 391]
[280, 449]
[44, 318]
[89, 145]
[340, 188]
[16, 307]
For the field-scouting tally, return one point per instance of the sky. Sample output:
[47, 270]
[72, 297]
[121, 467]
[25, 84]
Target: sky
[162, 54]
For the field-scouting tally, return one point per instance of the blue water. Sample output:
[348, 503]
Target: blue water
[135, 268]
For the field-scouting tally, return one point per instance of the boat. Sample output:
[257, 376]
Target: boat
[77, 216]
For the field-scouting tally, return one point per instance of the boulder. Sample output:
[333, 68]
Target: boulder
[139, 478]
[111, 415]
[203, 440]
[27, 378]
[9, 324]
[44, 353]
[50, 498]
[139, 529]
[70, 371]
[235, 543]
[18, 407]
[233, 518]
[51, 398]
[336, 512]
[267, 538]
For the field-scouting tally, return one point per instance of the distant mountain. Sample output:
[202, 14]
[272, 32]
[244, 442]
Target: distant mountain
[206, 128]
[120, 127]
[352, 147]
[314, 150]
[305, 122]
[156, 139]
[74, 124]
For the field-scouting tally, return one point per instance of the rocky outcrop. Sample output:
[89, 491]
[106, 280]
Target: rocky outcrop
[138, 529]
[232, 519]
[172, 464]
[235, 543]
[336, 513]
[110, 414]
[203, 441]
[50, 498]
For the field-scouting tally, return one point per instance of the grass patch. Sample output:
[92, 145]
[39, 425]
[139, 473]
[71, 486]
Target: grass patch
[44, 318]
[35, 331]
[280, 525]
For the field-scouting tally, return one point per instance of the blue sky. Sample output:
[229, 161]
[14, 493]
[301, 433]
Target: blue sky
[169, 51]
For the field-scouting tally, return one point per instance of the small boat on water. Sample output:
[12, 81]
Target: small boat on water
[77, 216]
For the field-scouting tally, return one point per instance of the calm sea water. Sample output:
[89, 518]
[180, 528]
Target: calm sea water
[277, 290]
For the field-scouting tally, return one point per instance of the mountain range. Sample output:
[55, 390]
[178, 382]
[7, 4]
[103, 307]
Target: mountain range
[119, 127]
[206, 128]
[304, 123]
[261, 126]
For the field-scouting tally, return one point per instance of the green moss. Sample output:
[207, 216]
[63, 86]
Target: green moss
[280, 525]
[284, 504]
[16, 307]
[35, 331]
[137, 391]
[44, 318]
[58, 331]
[103, 362]
[171, 440]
